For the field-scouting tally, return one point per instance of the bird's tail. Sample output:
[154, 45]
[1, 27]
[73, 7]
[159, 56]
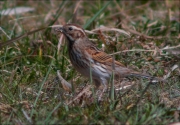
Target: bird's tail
[151, 78]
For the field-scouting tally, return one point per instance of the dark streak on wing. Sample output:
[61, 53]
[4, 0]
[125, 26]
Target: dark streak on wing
[101, 56]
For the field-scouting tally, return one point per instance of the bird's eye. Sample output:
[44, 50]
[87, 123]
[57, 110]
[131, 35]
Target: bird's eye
[70, 28]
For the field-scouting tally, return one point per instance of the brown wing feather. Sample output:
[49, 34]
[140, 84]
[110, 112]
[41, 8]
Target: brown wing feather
[120, 69]
[101, 56]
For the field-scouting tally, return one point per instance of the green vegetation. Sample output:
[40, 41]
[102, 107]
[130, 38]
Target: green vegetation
[30, 92]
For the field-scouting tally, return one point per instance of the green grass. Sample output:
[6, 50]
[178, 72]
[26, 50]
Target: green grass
[31, 93]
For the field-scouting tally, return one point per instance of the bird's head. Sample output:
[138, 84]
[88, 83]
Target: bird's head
[72, 32]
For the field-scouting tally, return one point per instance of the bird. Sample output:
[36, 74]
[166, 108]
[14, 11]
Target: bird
[91, 61]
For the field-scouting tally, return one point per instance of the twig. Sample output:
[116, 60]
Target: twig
[138, 33]
[20, 37]
[173, 47]
[79, 95]
[132, 50]
[77, 5]
[169, 73]
[59, 43]
[111, 29]
[143, 50]
[5, 33]
[26, 116]
[66, 86]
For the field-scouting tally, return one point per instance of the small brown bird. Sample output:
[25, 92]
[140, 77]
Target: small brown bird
[89, 60]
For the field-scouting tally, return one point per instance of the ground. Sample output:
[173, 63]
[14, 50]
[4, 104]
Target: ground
[143, 35]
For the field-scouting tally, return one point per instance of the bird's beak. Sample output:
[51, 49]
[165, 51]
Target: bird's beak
[59, 29]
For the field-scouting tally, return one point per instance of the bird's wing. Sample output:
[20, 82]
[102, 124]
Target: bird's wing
[101, 56]
[120, 69]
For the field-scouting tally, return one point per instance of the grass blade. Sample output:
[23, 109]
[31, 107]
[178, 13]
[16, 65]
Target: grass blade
[39, 93]
[96, 15]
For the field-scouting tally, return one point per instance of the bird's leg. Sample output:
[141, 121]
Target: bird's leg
[101, 94]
